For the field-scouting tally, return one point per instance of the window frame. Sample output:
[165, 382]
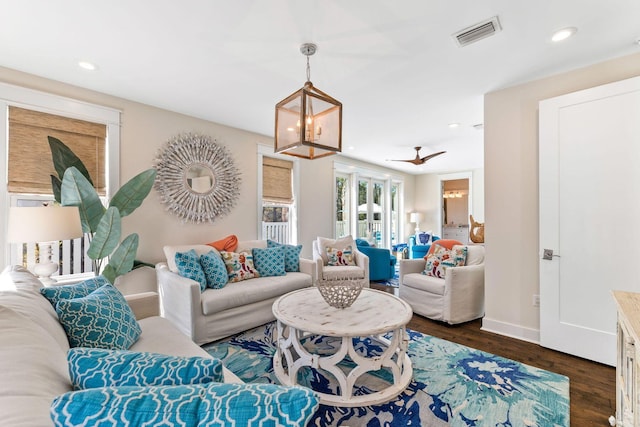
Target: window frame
[18, 96]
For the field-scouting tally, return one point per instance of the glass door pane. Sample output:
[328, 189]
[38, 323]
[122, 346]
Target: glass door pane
[363, 209]
[395, 224]
[343, 212]
[376, 209]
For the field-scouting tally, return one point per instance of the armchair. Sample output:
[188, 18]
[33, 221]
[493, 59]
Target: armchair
[382, 265]
[457, 298]
[417, 250]
[359, 271]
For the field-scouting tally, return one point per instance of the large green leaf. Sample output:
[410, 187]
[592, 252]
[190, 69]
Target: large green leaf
[130, 196]
[64, 158]
[77, 191]
[56, 186]
[121, 261]
[109, 273]
[107, 235]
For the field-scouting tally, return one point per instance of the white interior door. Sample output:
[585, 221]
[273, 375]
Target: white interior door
[589, 210]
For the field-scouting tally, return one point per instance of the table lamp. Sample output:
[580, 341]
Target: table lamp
[415, 217]
[44, 225]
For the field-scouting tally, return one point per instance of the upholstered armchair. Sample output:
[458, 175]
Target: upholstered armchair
[417, 250]
[456, 298]
[382, 265]
[330, 256]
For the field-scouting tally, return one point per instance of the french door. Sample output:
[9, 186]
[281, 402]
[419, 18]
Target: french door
[371, 220]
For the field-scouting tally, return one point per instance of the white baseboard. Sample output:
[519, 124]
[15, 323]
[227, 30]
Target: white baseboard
[511, 330]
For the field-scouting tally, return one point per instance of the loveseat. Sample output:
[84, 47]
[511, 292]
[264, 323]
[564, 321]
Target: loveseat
[33, 349]
[211, 314]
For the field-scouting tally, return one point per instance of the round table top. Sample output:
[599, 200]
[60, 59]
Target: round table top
[373, 312]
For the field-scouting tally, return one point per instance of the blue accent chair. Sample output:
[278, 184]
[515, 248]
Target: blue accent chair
[381, 263]
[419, 251]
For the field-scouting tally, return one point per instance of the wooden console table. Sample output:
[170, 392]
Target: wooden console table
[628, 359]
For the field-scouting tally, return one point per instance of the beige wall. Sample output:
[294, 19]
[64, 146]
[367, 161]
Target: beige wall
[511, 192]
[145, 129]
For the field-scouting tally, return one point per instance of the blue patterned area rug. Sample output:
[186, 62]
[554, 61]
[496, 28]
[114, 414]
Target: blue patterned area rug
[453, 385]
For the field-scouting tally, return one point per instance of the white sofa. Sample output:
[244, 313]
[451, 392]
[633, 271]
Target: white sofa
[217, 313]
[457, 298]
[33, 349]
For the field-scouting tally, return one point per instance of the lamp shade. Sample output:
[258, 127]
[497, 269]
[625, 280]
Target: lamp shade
[415, 217]
[308, 124]
[43, 224]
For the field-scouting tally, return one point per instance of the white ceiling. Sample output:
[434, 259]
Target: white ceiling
[393, 64]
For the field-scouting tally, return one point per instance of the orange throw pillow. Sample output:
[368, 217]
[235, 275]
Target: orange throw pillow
[228, 244]
[445, 243]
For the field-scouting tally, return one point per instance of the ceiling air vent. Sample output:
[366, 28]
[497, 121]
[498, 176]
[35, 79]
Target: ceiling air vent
[477, 32]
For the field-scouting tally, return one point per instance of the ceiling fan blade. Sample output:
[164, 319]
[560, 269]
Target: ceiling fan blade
[431, 156]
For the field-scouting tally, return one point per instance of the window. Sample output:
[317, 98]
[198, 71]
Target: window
[343, 214]
[27, 117]
[277, 199]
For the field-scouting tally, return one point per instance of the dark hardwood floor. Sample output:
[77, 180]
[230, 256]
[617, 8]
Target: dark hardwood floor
[592, 385]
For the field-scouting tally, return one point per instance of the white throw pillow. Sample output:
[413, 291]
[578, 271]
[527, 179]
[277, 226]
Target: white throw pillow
[340, 243]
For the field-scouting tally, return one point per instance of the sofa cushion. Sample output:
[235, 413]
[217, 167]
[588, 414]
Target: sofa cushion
[188, 264]
[440, 259]
[239, 266]
[76, 290]
[342, 271]
[102, 319]
[423, 282]
[340, 243]
[214, 270]
[34, 367]
[254, 290]
[93, 368]
[291, 255]
[188, 405]
[170, 253]
[269, 261]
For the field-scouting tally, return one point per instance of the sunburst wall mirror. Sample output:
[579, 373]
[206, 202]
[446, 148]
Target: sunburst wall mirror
[197, 179]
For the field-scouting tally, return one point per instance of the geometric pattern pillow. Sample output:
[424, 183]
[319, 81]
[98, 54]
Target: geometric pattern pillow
[213, 404]
[214, 270]
[102, 319]
[188, 264]
[291, 255]
[93, 368]
[77, 290]
[340, 256]
[441, 258]
[239, 266]
[269, 261]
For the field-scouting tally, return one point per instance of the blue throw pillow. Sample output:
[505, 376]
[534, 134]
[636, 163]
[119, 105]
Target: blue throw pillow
[214, 270]
[77, 290]
[188, 264]
[269, 261]
[93, 368]
[291, 255]
[214, 404]
[102, 319]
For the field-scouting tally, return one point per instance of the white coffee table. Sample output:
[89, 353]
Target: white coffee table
[304, 312]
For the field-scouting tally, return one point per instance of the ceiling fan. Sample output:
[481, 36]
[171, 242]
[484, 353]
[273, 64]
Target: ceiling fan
[420, 160]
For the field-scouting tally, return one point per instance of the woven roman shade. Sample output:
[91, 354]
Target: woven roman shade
[30, 161]
[276, 180]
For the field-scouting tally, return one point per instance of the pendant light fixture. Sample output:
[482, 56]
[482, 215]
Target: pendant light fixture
[308, 122]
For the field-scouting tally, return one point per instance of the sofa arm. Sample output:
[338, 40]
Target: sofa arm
[464, 288]
[408, 266]
[179, 299]
[362, 261]
[309, 267]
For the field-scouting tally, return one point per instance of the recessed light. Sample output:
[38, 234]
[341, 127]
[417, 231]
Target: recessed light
[454, 125]
[563, 34]
[87, 65]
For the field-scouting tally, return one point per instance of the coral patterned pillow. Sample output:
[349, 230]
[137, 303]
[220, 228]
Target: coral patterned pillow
[441, 258]
[239, 266]
[338, 256]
